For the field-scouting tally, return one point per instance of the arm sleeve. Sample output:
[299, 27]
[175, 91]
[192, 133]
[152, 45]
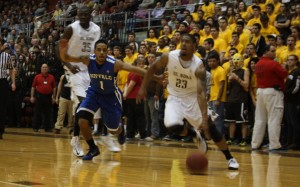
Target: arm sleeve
[280, 71]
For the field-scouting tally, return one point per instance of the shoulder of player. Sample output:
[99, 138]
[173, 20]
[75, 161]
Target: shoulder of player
[111, 59]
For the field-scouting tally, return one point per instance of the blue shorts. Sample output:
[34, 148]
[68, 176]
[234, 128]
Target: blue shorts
[110, 105]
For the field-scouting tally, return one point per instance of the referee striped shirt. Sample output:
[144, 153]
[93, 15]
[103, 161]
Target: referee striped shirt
[4, 65]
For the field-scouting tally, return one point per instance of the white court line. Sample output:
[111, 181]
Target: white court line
[11, 183]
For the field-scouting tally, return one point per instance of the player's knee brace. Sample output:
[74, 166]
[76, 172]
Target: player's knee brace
[175, 129]
[215, 134]
[82, 114]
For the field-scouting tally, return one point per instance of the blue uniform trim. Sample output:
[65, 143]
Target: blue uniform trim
[103, 93]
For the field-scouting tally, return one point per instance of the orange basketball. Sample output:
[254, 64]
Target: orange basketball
[196, 163]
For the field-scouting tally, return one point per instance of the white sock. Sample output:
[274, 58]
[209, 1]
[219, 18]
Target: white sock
[95, 127]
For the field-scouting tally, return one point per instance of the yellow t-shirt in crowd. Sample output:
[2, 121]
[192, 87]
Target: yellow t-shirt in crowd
[163, 50]
[279, 50]
[240, 47]
[217, 76]
[295, 21]
[226, 35]
[285, 53]
[209, 10]
[276, 7]
[244, 15]
[252, 21]
[298, 44]
[123, 75]
[195, 16]
[226, 67]
[203, 37]
[178, 46]
[155, 40]
[269, 30]
[244, 39]
[272, 18]
[220, 45]
[255, 39]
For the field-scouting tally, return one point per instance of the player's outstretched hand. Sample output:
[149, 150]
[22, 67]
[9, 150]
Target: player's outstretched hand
[140, 96]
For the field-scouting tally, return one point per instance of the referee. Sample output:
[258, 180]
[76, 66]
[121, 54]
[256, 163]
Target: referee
[6, 70]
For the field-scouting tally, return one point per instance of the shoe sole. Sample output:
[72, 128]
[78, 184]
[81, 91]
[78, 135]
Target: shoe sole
[92, 157]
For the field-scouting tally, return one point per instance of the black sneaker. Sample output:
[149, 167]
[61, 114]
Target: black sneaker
[91, 154]
[121, 137]
[294, 147]
[281, 149]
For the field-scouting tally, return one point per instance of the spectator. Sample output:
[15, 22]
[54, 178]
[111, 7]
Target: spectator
[292, 101]
[258, 39]
[57, 13]
[296, 17]
[136, 115]
[40, 10]
[158, 10]
[152, 36]
[283, 20]
[218, 89]
[43, 95]
[173, 18]
[63, 99]
[5, 65]
[237, 103]
[269, 106]
[15, 96]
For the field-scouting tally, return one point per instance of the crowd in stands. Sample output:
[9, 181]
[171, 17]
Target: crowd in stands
[221, 28]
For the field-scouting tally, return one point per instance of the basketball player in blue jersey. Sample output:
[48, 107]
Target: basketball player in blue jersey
[81, 37]
[186, 78]
[102, 93]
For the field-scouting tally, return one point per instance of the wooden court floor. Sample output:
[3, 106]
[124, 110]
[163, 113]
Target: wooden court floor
[45, 159]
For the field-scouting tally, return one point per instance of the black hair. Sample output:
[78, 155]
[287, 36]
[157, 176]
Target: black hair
[210, 41]
[240, 23]
[235, 33]
[191, 37]
[267, 48]
[264, 17]
[100, 41]
[256, 7]
[235, 49]
[255, 60]
[214, 55]
[257, 25]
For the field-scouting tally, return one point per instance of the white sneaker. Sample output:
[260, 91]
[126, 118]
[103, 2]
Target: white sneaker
[201, 143]
[111, 144]
[148, 139]
[77, 150]
[233, 164]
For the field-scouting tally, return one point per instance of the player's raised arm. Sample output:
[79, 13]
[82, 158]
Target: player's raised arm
[160, 63]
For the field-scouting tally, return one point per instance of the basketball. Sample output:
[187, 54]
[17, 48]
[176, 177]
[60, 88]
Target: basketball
[196, 163]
